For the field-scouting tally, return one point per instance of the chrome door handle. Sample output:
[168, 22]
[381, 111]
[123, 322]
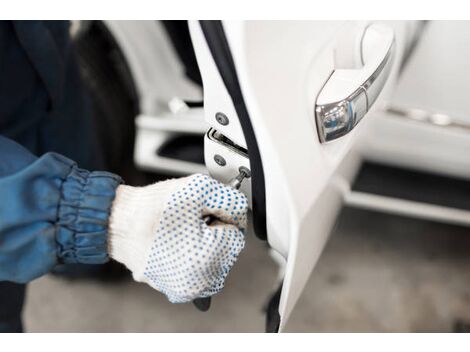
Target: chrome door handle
[349, 93]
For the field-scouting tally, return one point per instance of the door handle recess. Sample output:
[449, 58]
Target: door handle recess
[349, 93]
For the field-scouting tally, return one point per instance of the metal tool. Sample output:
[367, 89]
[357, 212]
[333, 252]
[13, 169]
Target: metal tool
[204, 303]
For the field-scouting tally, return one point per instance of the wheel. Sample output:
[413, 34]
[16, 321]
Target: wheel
[109, 82]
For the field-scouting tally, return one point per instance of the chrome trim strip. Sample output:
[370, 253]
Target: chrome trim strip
[427, 117]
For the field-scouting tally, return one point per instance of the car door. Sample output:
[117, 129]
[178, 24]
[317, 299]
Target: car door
[289, 100]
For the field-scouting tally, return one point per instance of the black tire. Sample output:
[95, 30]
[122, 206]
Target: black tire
[109, 82]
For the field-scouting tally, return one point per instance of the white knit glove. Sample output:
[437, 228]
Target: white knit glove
[159, 233]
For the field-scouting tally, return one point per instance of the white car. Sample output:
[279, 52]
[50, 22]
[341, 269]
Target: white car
[372, 114]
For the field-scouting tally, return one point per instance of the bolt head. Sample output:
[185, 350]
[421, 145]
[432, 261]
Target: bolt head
[220, 160]
[222, 119]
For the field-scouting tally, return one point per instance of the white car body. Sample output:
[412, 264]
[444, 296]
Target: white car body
[282, 69]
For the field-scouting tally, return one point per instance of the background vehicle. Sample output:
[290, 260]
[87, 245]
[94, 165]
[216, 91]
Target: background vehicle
[265, 84]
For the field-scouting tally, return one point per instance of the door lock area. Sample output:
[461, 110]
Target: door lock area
[225, 160]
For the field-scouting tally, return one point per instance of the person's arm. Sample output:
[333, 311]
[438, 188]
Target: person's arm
[53, 212]
[50, 212]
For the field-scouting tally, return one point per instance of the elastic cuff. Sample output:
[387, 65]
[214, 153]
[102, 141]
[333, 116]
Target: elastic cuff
[85, 205]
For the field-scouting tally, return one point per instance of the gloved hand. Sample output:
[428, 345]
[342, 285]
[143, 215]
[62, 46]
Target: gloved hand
[159, 233]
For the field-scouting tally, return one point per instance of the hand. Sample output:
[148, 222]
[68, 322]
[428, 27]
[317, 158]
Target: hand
[159, 233]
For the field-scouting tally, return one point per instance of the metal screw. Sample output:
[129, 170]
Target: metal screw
[222, 119]
[219, 160]
[245, 171]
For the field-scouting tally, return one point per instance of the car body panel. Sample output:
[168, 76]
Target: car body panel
[282, 66]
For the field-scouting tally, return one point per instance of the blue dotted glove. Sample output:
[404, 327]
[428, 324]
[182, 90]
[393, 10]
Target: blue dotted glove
[159, 233]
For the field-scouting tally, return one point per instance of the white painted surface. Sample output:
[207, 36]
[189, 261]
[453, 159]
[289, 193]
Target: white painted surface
[280, 78]
[437, 75]
[157, 71]
[435, 80]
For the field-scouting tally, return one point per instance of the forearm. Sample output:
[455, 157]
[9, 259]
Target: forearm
[53, 212]
[50, 212]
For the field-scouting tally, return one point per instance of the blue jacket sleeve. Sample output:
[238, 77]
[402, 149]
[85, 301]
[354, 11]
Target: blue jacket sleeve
[50, 212]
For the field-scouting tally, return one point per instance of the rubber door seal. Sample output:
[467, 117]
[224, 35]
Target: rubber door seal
[220, 50]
